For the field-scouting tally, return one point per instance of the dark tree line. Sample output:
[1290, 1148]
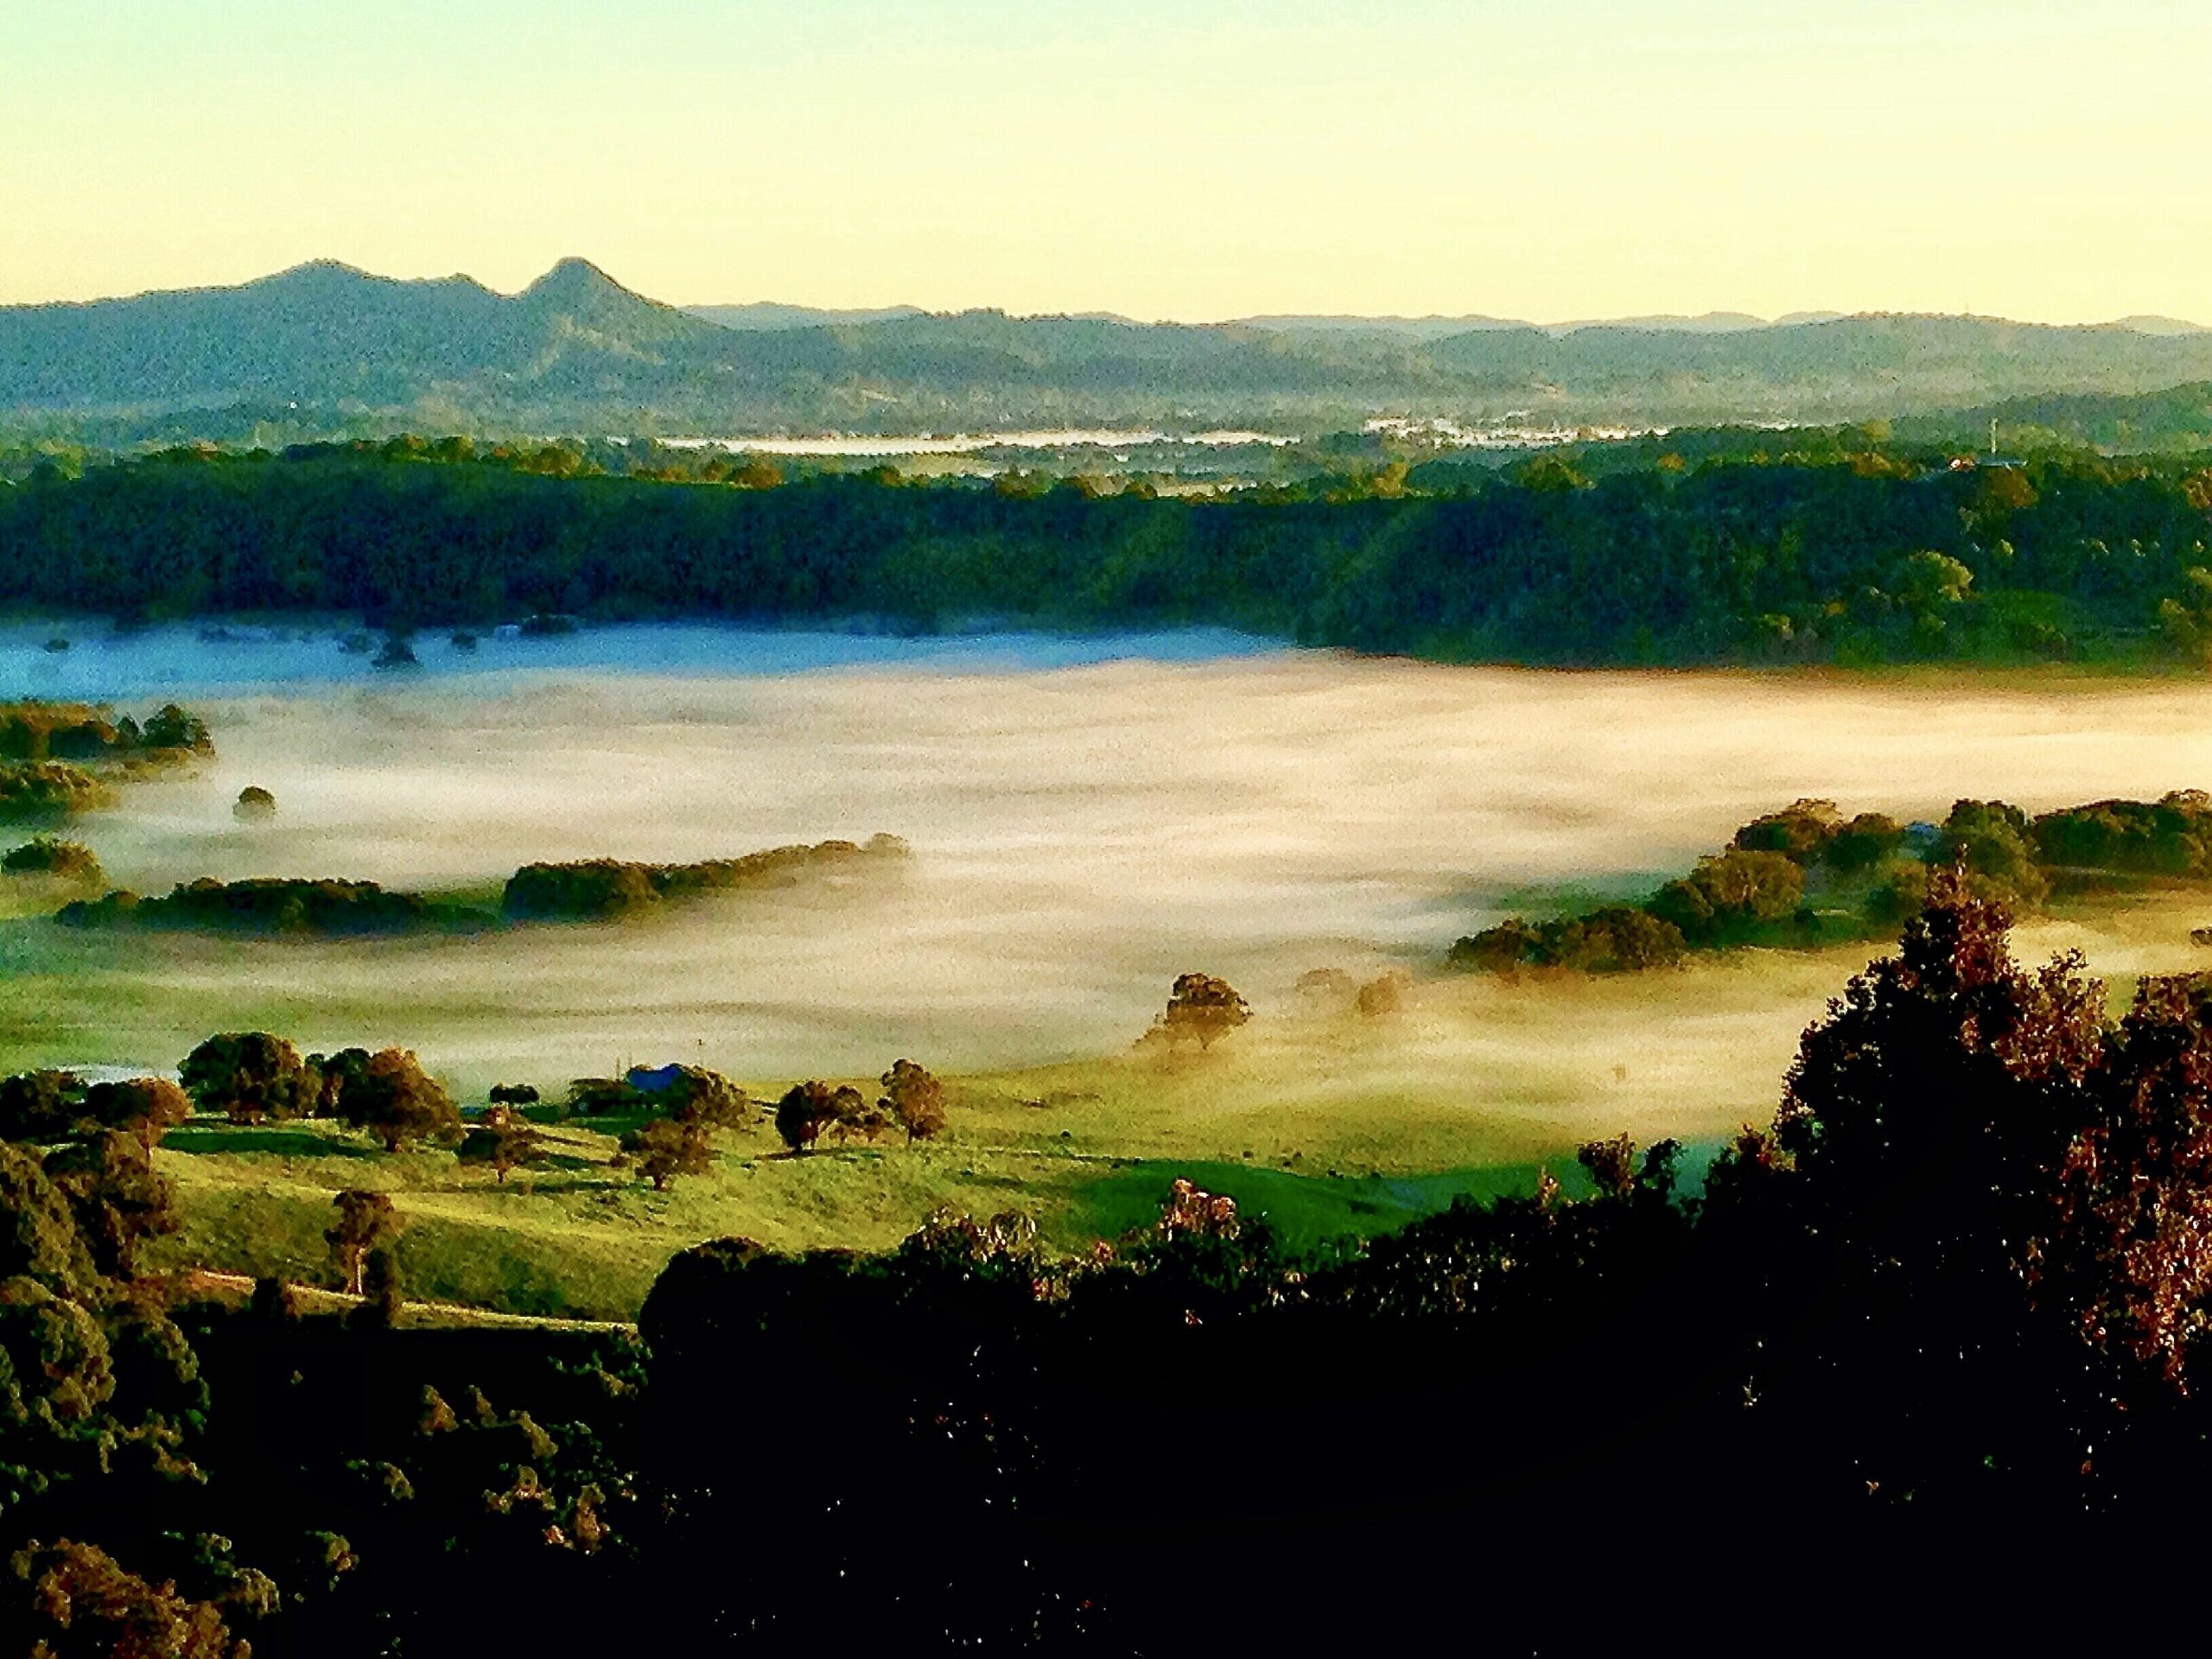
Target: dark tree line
[1857, 557]
[1807, 876]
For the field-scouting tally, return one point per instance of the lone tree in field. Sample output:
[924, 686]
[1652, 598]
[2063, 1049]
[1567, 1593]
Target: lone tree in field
[1201, 1008]
[810, 1107]
[398, 1101]
[915, 1099]
[147, 1107]
[366, 1222]
[505, 1139]
[250, 1077]
[254, 803]
[665, 1148]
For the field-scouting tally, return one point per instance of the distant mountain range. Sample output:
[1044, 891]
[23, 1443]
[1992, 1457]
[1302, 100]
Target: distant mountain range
[325, 347]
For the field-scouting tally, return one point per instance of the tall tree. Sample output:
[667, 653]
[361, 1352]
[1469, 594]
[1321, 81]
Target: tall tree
[807, 1108]
[503, 1139]
[397, 1100]
[367, 1221]
[1201, 1008]
[915, 1099]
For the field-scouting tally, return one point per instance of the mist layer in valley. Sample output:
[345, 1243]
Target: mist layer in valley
[1081, 835]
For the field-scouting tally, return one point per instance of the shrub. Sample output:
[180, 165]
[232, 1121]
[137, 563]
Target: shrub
[40, 790]
[50, 855]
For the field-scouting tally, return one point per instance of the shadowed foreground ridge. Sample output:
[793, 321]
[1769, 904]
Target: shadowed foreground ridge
[1949, 1299]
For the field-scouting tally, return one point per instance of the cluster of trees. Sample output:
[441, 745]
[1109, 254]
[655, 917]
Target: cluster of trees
[273, 904]
[1807, 875]
[251, 1076]
[57, 860]
[57, 759]
[1857, 554]
[595, 889]
[78, 732]
[913, 1100]
[38, 792]
[602, 889]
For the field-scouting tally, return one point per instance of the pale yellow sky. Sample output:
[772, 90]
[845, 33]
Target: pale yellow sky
[1200, 160]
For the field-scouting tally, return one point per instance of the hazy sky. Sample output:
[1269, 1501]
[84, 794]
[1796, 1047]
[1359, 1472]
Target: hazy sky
[1180, 158]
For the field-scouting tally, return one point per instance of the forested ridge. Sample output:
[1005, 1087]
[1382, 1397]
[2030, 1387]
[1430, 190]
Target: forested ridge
[325, 348]
[1826, 556]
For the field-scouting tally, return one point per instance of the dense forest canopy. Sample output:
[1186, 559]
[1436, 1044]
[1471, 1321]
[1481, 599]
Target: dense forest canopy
[1838, 554]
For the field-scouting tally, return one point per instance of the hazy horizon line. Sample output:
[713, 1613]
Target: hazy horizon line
[1726, 318]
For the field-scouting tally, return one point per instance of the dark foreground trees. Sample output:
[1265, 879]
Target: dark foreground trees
[1927, 1342]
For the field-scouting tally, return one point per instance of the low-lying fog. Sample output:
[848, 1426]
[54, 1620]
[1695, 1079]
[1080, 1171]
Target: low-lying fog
[1081, 834]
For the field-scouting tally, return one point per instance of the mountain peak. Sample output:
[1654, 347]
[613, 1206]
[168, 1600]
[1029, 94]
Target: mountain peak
[572, 277]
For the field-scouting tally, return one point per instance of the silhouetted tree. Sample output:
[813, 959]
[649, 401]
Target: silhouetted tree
[381, 1289]
[41, 1105]
[2130, 1248]
[366, 1222]
[807, 1108]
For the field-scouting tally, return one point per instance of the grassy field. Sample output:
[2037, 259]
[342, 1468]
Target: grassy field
[577, 1238]
[1326, 1122]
